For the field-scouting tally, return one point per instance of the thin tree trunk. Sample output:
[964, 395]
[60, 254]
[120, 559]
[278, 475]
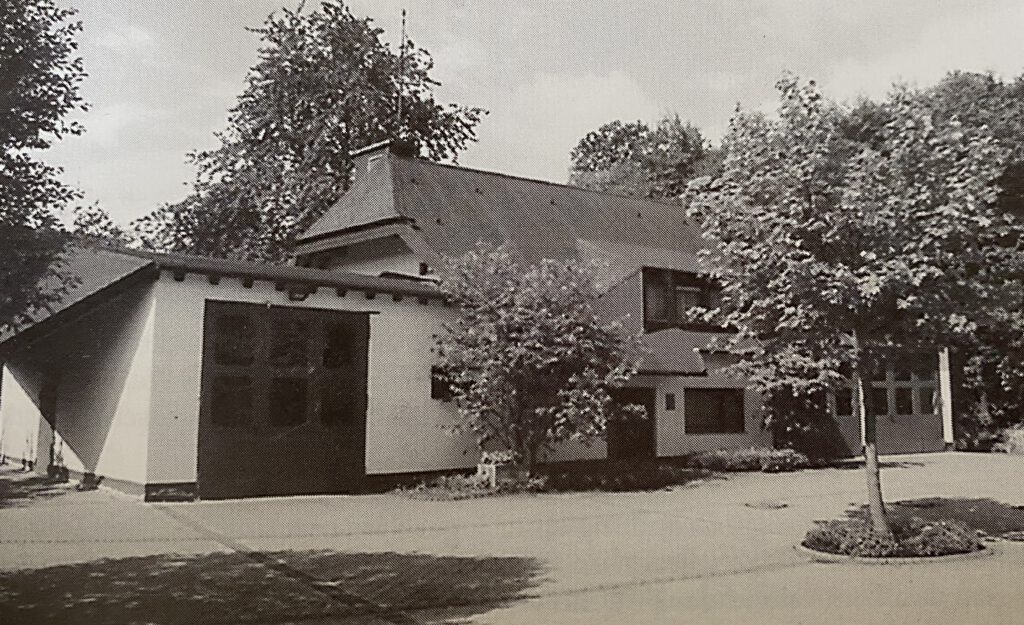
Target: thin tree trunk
[876, 504]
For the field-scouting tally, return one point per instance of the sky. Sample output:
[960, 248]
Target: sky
[163, 73]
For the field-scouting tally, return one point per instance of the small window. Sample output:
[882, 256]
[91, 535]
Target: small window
[714, 411]
[670, 401]
[926, 399]
[234, 340]
[440, 386]
[288, 401]
[687, 297]
[655, 302]
[902, 374]
[424, 269]
[880, 400]
[338, 349]
[338, 407]
[844, 402]
[231, 402]
[289, 344]
[904, 400]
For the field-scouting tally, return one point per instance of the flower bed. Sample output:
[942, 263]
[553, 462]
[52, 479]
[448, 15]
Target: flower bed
[912, 538]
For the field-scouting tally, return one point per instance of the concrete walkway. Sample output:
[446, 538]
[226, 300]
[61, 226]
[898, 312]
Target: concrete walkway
[719, 551]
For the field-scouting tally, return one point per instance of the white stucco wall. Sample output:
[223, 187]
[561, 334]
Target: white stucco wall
[378, 256]
[671, 424]
[406, 430]
[103, 361]
[20, 419]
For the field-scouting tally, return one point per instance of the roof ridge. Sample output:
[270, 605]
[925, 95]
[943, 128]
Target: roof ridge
[538, 180]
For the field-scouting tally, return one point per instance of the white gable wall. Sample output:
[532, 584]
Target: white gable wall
[104, 361]
[406, 430]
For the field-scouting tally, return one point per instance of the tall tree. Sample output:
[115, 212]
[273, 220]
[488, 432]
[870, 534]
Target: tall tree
[40, 73]
[634, 159]
[837, 255]
[529, 362]
[325, 84]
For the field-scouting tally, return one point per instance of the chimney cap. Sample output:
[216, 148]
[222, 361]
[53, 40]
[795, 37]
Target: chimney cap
[400, 147]
[373, 147]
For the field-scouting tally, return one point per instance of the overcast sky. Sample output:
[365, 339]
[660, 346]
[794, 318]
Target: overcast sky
[162, 73]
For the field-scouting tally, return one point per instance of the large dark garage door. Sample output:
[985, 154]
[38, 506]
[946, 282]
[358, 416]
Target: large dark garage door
[283, 401]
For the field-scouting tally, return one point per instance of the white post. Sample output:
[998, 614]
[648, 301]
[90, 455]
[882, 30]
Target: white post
[863, 417]
[946, 398]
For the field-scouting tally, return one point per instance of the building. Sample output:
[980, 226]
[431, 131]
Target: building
[180, 377]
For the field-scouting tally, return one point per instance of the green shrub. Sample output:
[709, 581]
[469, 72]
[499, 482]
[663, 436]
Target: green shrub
[911, 538]
[460, 486]
[1011, 441]
[764, 459]
[618, 476]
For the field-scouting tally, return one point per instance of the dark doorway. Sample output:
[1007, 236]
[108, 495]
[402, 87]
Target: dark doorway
[633, 438]
[283, 407]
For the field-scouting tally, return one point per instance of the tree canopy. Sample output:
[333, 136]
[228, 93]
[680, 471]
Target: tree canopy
[634, 159]
[325, 84]
[836, 252]
[528, 360]
[40, 74]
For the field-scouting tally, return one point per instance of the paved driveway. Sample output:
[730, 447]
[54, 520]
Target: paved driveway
[711, 552]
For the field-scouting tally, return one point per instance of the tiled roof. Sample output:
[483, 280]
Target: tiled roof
[92, 270]
[98, 270]
[453, 208]
[676, 351]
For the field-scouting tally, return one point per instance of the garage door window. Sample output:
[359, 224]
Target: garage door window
[282, 367]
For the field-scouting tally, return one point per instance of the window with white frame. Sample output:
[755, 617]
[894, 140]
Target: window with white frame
[909, 387]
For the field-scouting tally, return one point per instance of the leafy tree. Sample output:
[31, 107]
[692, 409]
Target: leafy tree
[837, 255]
[93, 225]
[635, 159]
[529, 362]
[325, 84]
[39, 79]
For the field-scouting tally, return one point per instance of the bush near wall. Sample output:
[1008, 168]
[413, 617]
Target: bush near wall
[766, 459]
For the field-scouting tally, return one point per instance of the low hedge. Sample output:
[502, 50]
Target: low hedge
[765, 459]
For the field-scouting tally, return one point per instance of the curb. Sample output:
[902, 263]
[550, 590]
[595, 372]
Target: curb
[835, 558]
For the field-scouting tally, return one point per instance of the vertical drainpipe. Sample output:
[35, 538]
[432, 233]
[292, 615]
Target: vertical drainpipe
[946, 398]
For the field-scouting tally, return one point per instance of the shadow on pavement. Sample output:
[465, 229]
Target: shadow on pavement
[992, 517]
[19, 488]
[266, 587]
[858, 463]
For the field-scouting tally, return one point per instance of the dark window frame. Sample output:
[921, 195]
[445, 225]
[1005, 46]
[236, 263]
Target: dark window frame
[669, 284]
[716, 424]
[440, 387]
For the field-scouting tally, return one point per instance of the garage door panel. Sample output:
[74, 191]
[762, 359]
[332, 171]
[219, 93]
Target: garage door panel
[283, 401]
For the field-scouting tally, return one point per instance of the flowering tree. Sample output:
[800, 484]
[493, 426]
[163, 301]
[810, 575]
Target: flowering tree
[835, 253]
[529, 362]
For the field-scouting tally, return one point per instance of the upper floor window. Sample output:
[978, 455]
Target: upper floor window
[669, 295]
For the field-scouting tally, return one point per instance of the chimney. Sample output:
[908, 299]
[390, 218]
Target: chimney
[362, 157]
